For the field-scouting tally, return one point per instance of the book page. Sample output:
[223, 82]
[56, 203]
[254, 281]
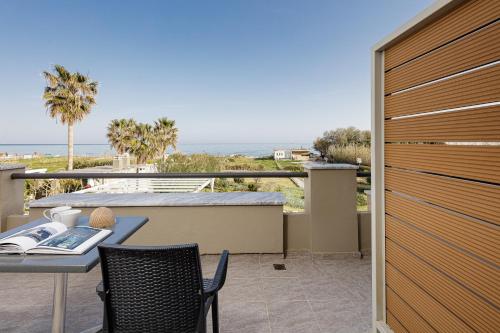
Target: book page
[76, 240]
[29, 238]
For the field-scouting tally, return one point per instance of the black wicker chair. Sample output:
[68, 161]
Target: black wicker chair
[158, 289]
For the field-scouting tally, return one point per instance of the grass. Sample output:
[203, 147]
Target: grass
[191, 163]
[293, 194]
[361, 201]
[54, 164]
[249, 164]
[207, 163]
[289, 165]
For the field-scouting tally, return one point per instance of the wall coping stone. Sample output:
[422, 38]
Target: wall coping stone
[83, 200]
[329, 166]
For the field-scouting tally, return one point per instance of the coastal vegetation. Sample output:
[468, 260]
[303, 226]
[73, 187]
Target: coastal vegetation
[165, 134]
[345, 145]
[36, 189]
[56, 164]
[191, 163]
[40, 188]
[69, 97]
[210, 163]
[144, 141]
[120, 133]
[352, 154]
[125, 134]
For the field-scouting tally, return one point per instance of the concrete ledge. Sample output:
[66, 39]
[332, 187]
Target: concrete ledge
[239, 229]
[240, 222]
[329, 166]
[82, 200]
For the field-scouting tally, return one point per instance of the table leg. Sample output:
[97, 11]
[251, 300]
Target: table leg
[59, 307]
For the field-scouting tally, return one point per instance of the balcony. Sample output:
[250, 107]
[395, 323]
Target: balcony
[325, 286]
[436, 209]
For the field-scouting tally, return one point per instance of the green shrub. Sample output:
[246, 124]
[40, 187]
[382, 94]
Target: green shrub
[349, 154]
[295, 168]
[253, 187]
[68, 185]
[221, 185]
[41, 188]
[239, 180]
[190, 163]
[36, 188]
[264, 158]
[82, 163]
[294, 198]
[361, 199]
[225, 185]
[245, 166]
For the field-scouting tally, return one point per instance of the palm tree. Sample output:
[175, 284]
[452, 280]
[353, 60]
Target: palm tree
[69, 97]
[165, 135]
[120, 134]
[142, 143]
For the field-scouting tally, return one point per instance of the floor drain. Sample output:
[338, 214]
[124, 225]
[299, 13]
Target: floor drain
[279, 267]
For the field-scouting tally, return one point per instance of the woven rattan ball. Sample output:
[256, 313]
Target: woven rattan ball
[102, 217]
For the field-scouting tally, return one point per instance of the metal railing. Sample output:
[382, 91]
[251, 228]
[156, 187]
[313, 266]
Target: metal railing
[244, 174]
[89, 175]
[231, 174]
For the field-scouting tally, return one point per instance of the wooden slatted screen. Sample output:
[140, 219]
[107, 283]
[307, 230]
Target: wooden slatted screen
[464, 19]
[442, 173]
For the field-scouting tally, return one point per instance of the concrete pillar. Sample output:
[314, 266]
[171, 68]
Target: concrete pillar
[330, 203]
[11, 193]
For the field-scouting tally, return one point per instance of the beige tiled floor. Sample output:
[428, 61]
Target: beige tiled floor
[312, 295]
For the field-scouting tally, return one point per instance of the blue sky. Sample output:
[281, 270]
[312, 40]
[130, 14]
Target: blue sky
[226, 71]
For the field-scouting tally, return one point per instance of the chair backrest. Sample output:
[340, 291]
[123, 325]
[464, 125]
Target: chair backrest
[152, 289]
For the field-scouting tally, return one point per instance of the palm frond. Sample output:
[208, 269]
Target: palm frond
[68, 96]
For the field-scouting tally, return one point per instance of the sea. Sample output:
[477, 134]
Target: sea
[92, 150]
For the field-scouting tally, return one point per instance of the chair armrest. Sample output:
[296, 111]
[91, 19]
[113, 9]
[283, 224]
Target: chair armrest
[220, 274]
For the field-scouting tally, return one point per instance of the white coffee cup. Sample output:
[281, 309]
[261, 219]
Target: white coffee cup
[67, 217]
[49, 213]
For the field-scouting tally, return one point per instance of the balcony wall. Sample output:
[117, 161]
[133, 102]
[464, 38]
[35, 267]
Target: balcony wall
[241, 222]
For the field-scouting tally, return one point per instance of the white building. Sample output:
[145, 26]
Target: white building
[298, 154]
[282, 154]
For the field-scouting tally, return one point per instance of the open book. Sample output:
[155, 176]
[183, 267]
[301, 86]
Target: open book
[53, 238]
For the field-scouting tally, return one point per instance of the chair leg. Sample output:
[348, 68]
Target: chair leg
[215, 314]
[105, 321]
[202, 325]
